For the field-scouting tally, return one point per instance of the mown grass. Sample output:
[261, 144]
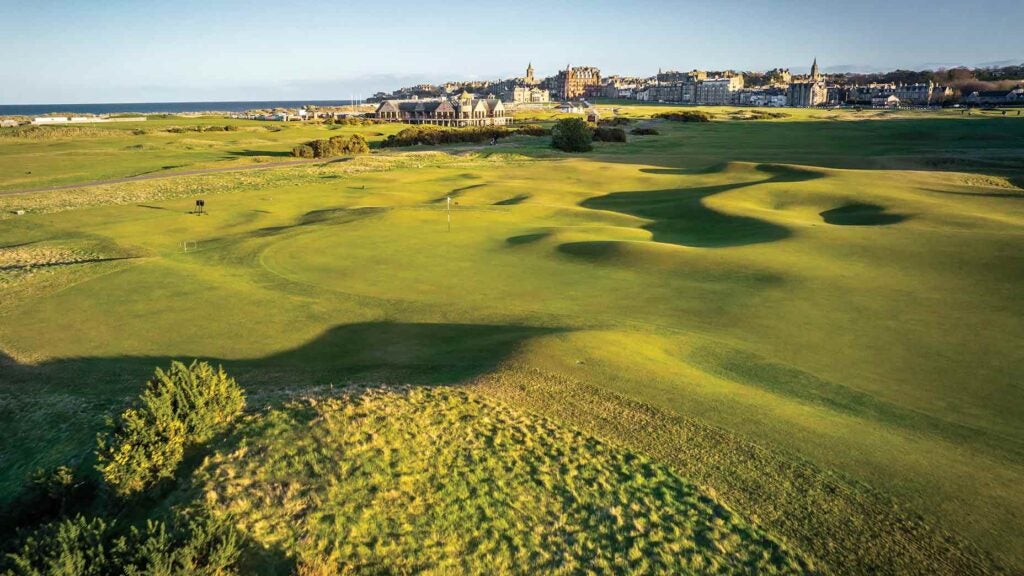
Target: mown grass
[696, 273]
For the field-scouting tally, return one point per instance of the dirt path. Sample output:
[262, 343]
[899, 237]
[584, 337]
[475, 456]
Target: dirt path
[158, 175]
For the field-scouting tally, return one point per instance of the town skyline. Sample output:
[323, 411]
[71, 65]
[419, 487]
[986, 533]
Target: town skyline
[132, 52]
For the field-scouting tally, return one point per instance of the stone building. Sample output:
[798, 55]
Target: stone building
[524, 94]
[890, 101]
[807, 94]
[718, 91]
[863, 94]
[465, 110]
[676, 86]
[524, 90]
[923, 93]
[573, 82]
[809, 90]
[771, 96]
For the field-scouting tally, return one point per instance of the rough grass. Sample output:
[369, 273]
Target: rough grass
[752, 478]
[440, 481]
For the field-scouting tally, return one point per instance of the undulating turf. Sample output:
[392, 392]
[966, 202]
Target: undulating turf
[841, 297]
[413, 480]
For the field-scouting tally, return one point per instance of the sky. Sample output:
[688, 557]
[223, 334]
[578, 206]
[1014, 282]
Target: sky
[96, 51]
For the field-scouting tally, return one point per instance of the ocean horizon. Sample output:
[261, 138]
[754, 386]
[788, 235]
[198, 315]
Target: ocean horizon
[161, 107]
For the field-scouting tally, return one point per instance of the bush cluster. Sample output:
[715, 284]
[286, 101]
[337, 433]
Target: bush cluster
[533, 130]
[82, 546]
[197, 128]
[333, 146]
[644, 131]
[181, 407]
[685, 116]
[616, 121]
[355, 121]
[572, 135]
[609, 134]
[435, 135]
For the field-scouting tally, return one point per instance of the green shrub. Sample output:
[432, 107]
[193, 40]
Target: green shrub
[609, 134]
[184, 406]
[435, 135]
[616, 121]
[355, 121]
[533, 130]
[572, 135]
[335, 146]
[75, 547]
[230, 128]
[685, 116]
[349, 145]
[644, 132]
[85, 547]
[302, 151]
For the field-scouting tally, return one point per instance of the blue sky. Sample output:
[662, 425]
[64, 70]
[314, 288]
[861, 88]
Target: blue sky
[124, 51]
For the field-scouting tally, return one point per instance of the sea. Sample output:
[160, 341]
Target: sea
[161, 107]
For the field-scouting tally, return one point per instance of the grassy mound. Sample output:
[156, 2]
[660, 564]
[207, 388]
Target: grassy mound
[437, 480]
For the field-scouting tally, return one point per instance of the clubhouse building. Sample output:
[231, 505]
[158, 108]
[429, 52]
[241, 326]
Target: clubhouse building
[466, 110]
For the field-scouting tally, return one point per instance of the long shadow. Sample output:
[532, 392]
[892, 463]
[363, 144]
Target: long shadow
[517, 199]
[1014, 195]
[456, 192]
[79, 392]
[327, 216]
[861, 214]
[680, 216]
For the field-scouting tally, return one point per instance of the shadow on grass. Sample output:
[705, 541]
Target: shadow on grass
[679, 215]
[861, 214]
[456, 192]
[517, 199]
[1018, 195]
[420, 354]
[329, 216]
[526, 238]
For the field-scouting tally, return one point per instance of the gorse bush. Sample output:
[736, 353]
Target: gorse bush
[434, 135]
[572, 135]
[685, 116]
[333, 146]
[183, 406]
[644, 131]
[609, 134]
[533, 130]
[355, 121]
[83, 546]
[302, 151]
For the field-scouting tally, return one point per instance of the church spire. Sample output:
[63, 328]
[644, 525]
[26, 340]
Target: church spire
[815, 76]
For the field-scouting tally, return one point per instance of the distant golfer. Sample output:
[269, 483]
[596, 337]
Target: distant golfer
[200, 204]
